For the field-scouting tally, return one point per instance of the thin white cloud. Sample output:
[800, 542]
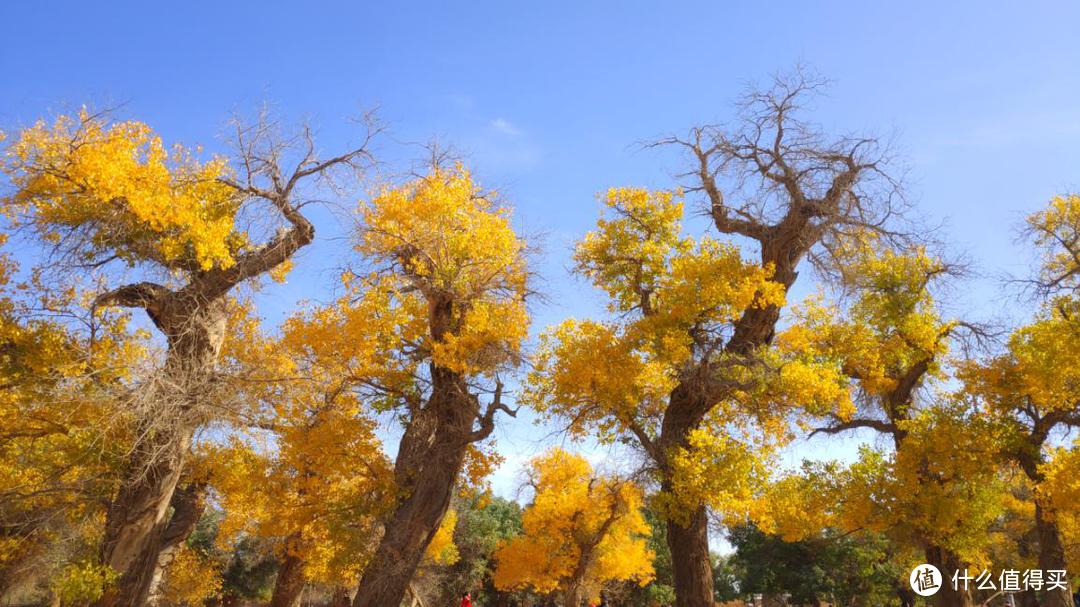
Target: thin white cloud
[506, 127]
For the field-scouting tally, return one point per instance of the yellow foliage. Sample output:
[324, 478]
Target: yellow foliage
[442, 550]
[123, 192]
[191, 578]
[58, 384]
[1056, 230]
[454, 243]
[83, 582]
[580, 529]
[1041, 368]
[675, 298]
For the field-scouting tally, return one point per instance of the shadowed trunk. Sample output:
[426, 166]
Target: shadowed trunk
[341, 597]
[429, 459]
[136, 522]
[690, 564]
[906, 595]
[290, 583]
[948, 564]
[1051, 557]
[689, 544]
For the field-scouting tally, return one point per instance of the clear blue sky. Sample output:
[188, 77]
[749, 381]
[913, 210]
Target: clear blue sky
[549, 97]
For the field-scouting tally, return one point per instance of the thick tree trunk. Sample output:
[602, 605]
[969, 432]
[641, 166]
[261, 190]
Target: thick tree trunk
[948, 564]
[429, 459]
[290, 583]
[906, 595]
[136, 522]
[575, 592]
[409, 531]
[690, 564]
[689, 545]
[1051, 557]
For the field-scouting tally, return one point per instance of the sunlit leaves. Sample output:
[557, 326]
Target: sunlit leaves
[101, 190]
[581, 529]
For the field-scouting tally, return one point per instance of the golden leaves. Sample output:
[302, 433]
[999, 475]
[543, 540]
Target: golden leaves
[122, 192]
[575, 512]
[453, 243]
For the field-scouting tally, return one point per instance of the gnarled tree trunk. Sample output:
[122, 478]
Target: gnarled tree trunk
[137, 518]
[290, 582]
[430, 456]
[188, 505]
[136, 523]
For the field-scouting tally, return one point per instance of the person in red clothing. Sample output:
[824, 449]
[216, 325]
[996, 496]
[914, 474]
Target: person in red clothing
[466, 600]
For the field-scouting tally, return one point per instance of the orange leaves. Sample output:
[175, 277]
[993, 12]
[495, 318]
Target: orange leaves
[580, 529]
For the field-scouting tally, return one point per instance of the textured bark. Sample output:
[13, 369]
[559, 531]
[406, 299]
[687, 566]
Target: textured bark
[136, 522]
[341, 597]
[1051, 557]
[575, 592]
[290, 583]
[430, 456]
[690, 564]
[689, 544]
[188, 505]
[948, 564]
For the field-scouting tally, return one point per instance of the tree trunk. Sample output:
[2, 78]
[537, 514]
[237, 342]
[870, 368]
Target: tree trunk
[341, 597]
[907, 596]
[690, 563]
[136, 522]
[290, 583]
[948, 564]
[689, 545]
[575, 591]
[188, 505]
[429, 459]
[1051, 557]
[408, 533]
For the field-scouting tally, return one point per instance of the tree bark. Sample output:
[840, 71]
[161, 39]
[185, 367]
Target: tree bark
[136, 520]
[948, 564]
[341, 597]
[574, 593]
[188, 505]
[690, 563]
[290, 583]
[689, 544]
[430, 456]
[1051, 556]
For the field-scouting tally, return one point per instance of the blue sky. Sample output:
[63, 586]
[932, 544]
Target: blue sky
[549, 98]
